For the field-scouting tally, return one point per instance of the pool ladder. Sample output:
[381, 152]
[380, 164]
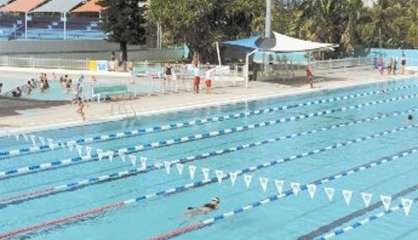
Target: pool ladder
[122, 109]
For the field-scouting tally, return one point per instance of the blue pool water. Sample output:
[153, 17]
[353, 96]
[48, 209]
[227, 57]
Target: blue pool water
[375, 123]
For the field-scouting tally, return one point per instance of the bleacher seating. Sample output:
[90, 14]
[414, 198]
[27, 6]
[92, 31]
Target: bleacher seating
[42, 27]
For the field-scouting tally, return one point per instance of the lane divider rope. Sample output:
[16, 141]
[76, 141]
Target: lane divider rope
[143, 147]
[175, 190]
[135, 171]
[362, 222]
[132, 133]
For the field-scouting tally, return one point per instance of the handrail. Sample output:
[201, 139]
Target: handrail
[16, 33]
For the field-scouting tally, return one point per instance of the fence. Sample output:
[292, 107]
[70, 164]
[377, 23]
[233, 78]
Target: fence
[334, 65]
[153, 76]
[49, 63]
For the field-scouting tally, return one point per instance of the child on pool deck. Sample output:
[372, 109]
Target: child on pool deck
[80, 108]
[208, 78]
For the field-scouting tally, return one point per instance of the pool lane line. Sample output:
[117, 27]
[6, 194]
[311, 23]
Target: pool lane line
[327, 234]
[362, 222]
[65, 220]
[4, 202]
[186, 187]
[348, 172]
[196, 122]
[326, 229]
[144, 147]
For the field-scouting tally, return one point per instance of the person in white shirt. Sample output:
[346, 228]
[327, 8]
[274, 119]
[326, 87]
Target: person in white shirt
[196, 77]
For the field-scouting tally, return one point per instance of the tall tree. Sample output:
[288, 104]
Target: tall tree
[411, 38]
[200, 23]
[382, 26]
[124, 22]
[331, 21]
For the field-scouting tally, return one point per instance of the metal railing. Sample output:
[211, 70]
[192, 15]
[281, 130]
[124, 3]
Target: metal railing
[153, 76]
[344, 63]
[50, 63]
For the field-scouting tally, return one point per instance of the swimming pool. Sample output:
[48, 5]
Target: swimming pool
[356, 140]
[57, 92]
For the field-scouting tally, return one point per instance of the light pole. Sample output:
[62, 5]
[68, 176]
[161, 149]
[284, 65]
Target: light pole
[267, 33]
[268, 19]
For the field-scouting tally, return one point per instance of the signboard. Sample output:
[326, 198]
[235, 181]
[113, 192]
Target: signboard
[102, 66]
[92, 65]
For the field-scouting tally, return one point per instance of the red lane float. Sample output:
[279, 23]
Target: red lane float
[180, 231]
[61, 221]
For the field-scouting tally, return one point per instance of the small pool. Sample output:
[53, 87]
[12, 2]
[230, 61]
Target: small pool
[11, 80]
[298, 167]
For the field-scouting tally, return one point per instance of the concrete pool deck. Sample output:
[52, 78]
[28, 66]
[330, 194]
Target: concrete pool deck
[66, 116]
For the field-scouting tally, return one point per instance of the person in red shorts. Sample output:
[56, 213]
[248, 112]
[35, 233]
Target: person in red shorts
[208, 78]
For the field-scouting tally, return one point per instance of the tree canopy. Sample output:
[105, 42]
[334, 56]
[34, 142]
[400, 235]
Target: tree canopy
[200, 23]
[124, 22]
[349, 23]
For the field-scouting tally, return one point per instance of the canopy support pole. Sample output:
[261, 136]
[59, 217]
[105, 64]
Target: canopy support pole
[268, 19]
[26, 25]
[65, 25]
[218, 51]
[247, 67]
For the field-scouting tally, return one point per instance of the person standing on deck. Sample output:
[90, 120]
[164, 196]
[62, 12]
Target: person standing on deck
[309, 75]
[381, 66]
[196, 77]
[80, 108]
[403, 63]
[168, 76]
[208, 78]
[390, 66]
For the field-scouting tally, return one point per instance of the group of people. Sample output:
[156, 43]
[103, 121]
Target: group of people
[196, 72]
[32, 84]
[392, 66]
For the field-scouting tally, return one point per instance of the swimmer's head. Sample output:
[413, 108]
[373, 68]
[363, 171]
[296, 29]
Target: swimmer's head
[410, 117]
[216, 200]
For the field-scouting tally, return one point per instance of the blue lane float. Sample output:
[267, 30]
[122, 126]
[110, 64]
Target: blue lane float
[364, 221]
[118, 205]
[111, 154]
[406, 205]
[144, 169]
[137, 132]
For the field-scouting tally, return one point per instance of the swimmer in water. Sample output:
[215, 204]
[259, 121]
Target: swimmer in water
[204, 209]
[410, 119]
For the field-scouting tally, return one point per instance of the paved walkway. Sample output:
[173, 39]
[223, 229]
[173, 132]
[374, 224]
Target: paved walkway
[59, 116]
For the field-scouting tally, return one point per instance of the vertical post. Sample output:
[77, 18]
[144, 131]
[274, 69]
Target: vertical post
[268, 19]
[26, 25]
[161, 36]
[65, 25]
[246, 69]
[267, 33]
[158, 35]
[219, 54]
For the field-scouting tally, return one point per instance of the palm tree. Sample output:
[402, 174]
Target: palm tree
[331, 21]
[382, 24]
[351, 38]
[412, 15]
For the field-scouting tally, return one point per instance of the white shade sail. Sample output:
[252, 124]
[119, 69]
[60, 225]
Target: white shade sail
[289, 44]
[280, 44]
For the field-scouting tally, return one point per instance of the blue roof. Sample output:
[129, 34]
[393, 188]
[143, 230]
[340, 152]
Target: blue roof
[245, 43]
